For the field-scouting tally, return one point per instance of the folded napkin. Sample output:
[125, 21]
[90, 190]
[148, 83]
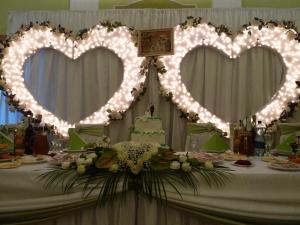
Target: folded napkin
[6, 139]
[289, 132]
[82, 135]
[216, 143]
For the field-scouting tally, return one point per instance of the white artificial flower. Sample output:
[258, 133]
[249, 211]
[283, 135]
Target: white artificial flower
[291, 35]
[146, 156]
[190, 22]
[80, 161]
[182, 158]
[92, 156]
[88, 161]
[81, 169]
[175, 165]
[114, 168]
[122, 155]
[186, 167]
[11, 108]
[65, 165]
[209, 165]
[153, 150]
[159, 64]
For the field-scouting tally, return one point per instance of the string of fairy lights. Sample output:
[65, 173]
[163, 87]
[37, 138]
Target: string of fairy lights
[120, 41]
[280, 39]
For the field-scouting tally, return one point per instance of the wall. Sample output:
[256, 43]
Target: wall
[14, 5]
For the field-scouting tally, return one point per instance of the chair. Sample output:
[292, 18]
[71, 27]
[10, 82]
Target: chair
[83, 134]
[205, 137]
[288, 133]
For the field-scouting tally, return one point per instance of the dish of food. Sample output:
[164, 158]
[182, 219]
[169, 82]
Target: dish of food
[285, 166]
[242, 163]
[231, 156]
[30, 159]
[204, 156]
[10, 165]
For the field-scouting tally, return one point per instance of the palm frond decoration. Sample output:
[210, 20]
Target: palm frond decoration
[144, 168]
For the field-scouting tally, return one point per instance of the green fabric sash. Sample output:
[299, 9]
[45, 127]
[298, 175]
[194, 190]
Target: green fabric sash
[289, 130]
[76, 139]
[5, 139]
[196, 128]
[216, 142]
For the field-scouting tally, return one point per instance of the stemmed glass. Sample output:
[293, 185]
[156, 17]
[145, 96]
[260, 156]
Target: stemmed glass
[194, 144]
[268, 141]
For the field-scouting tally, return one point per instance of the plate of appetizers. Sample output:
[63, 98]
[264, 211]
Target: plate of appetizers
[284, 165]
[30, 159]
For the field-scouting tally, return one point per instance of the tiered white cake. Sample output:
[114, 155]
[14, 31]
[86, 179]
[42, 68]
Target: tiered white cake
[148, 129]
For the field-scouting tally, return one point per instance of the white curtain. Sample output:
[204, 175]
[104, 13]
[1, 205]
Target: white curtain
[232, 89]
[219, 85]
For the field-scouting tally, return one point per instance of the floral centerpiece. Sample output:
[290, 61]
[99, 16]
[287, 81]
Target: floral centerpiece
[144, 168]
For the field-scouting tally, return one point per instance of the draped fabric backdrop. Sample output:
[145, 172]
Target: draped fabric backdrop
[230, 88]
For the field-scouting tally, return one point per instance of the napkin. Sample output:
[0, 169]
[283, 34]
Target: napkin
[82, 135]
[5, 139]
[289, 131]
[216, 143]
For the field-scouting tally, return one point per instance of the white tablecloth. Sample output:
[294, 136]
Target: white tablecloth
[255, 194]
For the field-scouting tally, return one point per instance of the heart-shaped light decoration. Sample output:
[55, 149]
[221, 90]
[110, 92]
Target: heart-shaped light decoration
[118, 40]
[277, 38]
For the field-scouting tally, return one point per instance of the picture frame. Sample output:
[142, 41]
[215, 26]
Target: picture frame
[156, 42]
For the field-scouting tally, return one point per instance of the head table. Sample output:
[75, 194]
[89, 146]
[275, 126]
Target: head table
[254, 195]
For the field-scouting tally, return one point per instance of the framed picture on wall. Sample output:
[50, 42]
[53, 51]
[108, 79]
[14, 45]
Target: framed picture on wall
[156, 42]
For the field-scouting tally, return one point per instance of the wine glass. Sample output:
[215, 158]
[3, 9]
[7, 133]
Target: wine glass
[268, 141]
[194, 144]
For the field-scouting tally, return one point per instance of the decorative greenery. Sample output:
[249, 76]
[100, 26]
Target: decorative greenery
[143, 168]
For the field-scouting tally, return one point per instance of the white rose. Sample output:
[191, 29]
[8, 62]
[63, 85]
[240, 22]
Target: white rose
[80, 161]
[146, 156]
[88, 161]
[81, 169]
[92, 156]
[65, 165]
[190, 22]
[182, 158]
[153, 150]
[175, 165]
[159, 64]
[209, 165]
[122, 156]
[186, 167]
[291, 35]
[114, 168]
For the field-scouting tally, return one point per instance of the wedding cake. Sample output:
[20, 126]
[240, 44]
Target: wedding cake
[148, 129]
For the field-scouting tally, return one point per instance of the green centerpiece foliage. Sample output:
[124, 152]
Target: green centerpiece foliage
[144, 168]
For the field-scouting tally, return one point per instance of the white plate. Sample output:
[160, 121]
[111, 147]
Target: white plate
[279, 167]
